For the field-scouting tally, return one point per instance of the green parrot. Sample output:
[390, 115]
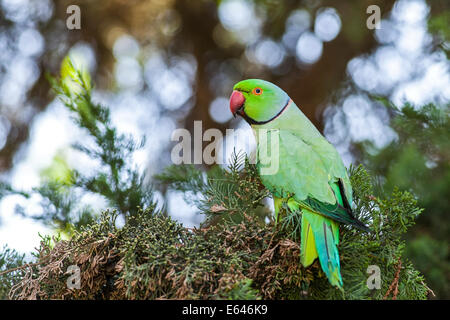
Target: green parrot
[310, 176]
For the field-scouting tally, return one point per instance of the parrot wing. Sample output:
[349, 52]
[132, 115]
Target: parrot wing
[311, 172]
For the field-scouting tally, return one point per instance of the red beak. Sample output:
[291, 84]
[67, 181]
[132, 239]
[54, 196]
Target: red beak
[236, 102]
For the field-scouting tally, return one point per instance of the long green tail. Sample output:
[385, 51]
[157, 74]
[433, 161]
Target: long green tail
[319, 238]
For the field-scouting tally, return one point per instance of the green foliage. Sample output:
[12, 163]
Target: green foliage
[439, 25]
[221, 193]
[242, 290]
[9, 260]
[153, 256]
[116, 180]
[419, 161]
[121, 184]
[238, 253]
[174, 262]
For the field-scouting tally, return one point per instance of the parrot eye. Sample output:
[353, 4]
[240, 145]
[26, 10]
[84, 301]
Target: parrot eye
[257, 91]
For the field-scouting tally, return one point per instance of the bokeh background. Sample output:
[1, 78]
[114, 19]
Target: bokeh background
[161, 64]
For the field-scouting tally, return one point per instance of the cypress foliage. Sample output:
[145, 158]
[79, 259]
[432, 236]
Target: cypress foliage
[116, 180]
[11, 261]
[237, 253]
[153, 256]
[419, 161]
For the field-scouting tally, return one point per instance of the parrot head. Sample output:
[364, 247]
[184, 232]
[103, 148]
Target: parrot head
[258, 101]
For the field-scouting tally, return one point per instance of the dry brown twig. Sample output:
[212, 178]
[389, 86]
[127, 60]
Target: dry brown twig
[394, 285]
